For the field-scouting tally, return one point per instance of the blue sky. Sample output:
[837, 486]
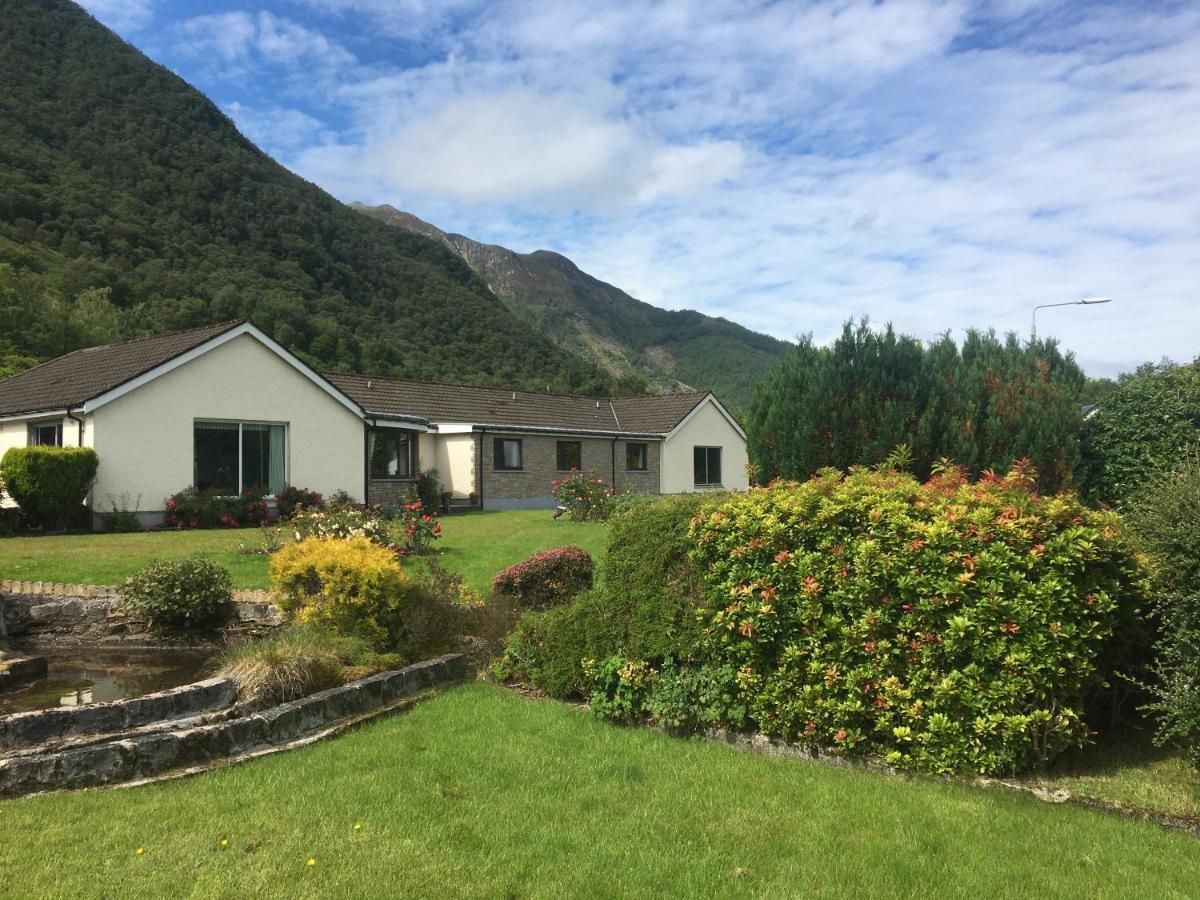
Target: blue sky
[939, 164]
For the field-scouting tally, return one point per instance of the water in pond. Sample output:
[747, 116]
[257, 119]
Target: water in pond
[79, 675]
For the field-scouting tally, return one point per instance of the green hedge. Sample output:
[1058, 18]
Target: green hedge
[49, 484]
[645, 606]
[1166, 516]
[1140, 429]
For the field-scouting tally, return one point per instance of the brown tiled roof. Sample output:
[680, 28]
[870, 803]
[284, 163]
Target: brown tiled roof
[515, 409]
[74, 379]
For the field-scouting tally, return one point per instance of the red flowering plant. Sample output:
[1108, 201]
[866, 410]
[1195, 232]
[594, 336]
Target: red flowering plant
[585, 497]
[419, 529]
[949, 626]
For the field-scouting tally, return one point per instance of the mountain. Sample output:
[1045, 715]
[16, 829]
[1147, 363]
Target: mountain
[130, 204]
[670, 349]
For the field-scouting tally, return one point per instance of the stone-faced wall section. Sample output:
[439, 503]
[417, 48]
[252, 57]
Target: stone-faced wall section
[51, 612]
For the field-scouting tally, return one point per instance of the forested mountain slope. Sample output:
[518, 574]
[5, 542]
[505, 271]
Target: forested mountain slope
[130, 204]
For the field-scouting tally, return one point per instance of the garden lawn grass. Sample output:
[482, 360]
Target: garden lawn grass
[1130, 771]
[482, 793]
[477, 545]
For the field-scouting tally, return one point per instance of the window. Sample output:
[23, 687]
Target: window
[231, 457]
[390, 453]
[570, 455]
[46, 434]
[507, 454]
[635, 457]
[708, 465]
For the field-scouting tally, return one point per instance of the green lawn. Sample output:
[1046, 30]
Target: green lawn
[481, 793]
[476, 544]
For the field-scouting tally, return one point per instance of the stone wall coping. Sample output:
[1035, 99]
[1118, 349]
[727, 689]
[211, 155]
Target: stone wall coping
[102, 592]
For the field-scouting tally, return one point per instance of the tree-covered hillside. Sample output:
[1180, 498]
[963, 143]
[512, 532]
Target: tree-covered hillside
[129, 204]
[668, 349]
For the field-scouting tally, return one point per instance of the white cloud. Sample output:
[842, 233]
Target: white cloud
[235, 43]
[521, 146]
[277, 128]
[121, 15]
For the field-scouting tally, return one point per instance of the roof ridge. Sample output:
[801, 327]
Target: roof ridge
[223, 326]
[505, 390]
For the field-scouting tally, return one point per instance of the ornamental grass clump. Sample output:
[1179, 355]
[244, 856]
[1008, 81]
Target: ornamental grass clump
[950, 626]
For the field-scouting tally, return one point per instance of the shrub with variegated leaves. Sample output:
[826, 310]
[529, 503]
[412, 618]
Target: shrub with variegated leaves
[949, 626]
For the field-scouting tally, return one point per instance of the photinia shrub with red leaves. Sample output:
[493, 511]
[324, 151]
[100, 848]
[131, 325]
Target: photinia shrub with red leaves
[546, 579]
[949, 626]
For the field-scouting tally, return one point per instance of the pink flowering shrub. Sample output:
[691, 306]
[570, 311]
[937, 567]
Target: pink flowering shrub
[546, 579]
[196, 509]
[585, 497]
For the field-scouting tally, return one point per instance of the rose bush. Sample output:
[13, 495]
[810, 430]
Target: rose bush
[585, 497]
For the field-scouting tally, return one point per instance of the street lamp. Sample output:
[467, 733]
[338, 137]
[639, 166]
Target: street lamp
[1086, 302]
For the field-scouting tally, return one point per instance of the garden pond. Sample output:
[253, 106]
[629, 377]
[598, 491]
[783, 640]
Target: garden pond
[80, 675]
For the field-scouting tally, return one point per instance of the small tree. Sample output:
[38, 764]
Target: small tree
[49, 484]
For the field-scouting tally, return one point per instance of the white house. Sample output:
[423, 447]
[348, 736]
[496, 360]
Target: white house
[225, 408]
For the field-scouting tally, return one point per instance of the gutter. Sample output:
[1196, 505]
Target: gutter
[573, 432]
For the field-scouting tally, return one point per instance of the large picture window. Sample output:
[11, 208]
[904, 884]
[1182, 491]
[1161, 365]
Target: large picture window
[570, 455]
[390, 453]
[507, 454]
[232, 457]
[636, 456]
[708, 466]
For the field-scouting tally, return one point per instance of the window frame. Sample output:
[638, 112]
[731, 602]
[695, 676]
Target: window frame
[558, 460]
[242, 486]
[498, 455]
[413, 451]
[31, 436]
[708, 482]
[645, 451]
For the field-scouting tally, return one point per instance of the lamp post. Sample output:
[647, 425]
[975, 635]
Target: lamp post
[1089, 301]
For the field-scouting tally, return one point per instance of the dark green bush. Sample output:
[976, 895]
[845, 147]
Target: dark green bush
[645, 607]
[180, 594]
[1140, 429]
[1166, 516]
[49, 484]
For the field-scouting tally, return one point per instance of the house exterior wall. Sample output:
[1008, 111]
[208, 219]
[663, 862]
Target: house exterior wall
[454, 456]
[145, 438]
[706, 428]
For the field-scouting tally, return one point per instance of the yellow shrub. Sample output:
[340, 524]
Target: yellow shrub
[351, 585]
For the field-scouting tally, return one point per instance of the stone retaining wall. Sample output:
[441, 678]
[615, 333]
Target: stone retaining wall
[147, 755]
[50, 612]
[42, 726]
